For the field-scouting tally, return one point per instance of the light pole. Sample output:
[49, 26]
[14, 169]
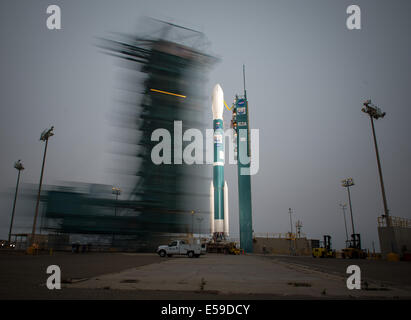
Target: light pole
[200, 219]
[343, 207]
[375, 113]
[298, 226]
[347, 183]
[290, 211]
[45, 135]
[291, 232]
[19, 166]
[192, 222]
[117, 192]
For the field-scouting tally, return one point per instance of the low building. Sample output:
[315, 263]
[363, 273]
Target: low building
[282, 244]
[396, 238]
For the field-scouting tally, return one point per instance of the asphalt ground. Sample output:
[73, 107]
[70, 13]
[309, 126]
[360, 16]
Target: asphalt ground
[227, 275]
[382, 271]
[24, 277]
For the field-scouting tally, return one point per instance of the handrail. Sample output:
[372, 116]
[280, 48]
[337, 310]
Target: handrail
[394, 222]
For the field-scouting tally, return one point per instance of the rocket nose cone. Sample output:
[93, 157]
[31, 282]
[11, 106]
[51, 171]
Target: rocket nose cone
[217, 89]
[218, 102]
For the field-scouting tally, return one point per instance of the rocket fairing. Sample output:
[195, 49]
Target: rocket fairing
[218, 188]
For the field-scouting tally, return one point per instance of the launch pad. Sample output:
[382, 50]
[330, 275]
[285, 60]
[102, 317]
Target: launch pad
[219, 213]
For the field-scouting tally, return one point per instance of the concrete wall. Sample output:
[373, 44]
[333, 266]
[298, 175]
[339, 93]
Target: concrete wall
[401, 236]
[300, 246]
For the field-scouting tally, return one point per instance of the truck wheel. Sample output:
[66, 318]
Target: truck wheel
[162, 253]
[190, 254]
[197, 256]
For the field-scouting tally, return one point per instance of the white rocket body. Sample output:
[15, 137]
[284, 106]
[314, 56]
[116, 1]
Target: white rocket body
[219, 220]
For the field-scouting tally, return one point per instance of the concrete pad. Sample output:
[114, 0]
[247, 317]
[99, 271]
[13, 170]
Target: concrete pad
[229, 274]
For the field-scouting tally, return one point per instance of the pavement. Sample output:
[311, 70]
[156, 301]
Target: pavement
[385, 273]
[212, 277]
[230, 275]
[23, 276]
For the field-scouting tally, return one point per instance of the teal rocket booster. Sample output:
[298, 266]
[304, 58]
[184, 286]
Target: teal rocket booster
[218, 189]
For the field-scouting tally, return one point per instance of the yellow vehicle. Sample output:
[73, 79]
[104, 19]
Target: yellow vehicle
[353, 250]
[353, 253]
[223, 247]
[233, 249]
[324, 251]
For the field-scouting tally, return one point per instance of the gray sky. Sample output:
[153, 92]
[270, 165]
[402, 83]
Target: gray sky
[307, 76]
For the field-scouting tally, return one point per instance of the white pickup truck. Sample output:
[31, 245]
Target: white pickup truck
[180, 247]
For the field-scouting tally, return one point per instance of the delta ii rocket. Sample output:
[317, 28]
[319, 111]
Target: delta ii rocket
[218, 188]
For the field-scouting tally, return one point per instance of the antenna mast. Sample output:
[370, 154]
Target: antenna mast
[245, 92]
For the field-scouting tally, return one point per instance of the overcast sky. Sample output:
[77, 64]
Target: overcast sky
[307, 76]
